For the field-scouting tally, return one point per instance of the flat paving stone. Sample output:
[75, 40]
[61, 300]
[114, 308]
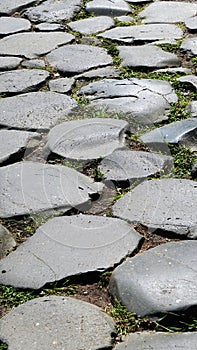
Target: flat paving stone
[61, 85]
[159, 341]
[92, 25]
[133, 166]
[29, 188]
[57, 322]
[7, 242]
[167, 205]
[36, 63]
[147, 56]
[53, 11]
[8, 7]
[35, 110]
[191, 79]
[33, 45]
[105, 72]
[78, 58]
[10, 25]
[192, 108]
[7, 63]
[23, 80]
[162, 279]
[125, 19]
[14, 141]
[72, 245]
[146, 99]
[189, 46]
[146, 32]
[87, 139]
[168, 12]
[191, 24]
[49, 27]
[108, 7]
[180, 132]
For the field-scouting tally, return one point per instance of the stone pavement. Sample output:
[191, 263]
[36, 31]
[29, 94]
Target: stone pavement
[94, 95]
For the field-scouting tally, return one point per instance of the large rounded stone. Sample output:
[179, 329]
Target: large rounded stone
[108, 7]
[87, 139]
[29, 188]
[67, 246]
[162, 279]
[78, 58]
[23, 80]
[57, 323]
[10, 25]
[35, 110]
[167, 205]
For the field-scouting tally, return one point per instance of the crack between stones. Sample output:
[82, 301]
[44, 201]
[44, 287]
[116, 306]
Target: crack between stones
[44, 263]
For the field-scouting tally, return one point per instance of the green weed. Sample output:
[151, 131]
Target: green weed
[184, 159]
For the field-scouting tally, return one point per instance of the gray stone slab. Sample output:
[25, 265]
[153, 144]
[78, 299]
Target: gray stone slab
[191, 24]
[53, 11]
[192, 108]
[108, 7]
[180, 132]
[7, 63]
[78, 58]
[125, 19]
[13, 141]
[33, 45]
[159, 341]
[146, 32]
[36, 63]
[10, 25]
[49, 27]
[145, 99]
[23, 80]
[162, 279]
[61, 85]
[72, 245]
[191, 79]
[8, 7]
[106, 72]
[28, 188]
[168, 12]
[168, 205]
[189, 46]
[134, 166]
[88, 138]
[7, 242]
[147, 56]
[92, 25]
[35, 110]
[175, 70]
[57, 322]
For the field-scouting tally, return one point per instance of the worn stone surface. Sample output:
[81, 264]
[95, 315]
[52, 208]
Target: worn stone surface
[108, 7]
[170, 206]
[145, 99]
[78, 58]
[7, 242]
[105, 72]
[148, 32]
[168, 12]
[191, 79]
[92, 25]
[175, 70]
[161, 341]
[125, 19]
[61, 85]
[49, 27]
[180, 132]
[8, 7]
[147, 56]
[13, 141]
[87, 139]
[23, 80]
[189, 46]
[162, 279]
[35, 110]
[191, 23]
[28, 188]
[9, 25]
[36, 63]
[7, 63]
[123, 165]
[53, 11]
[72, 245]
[57, 322]
[33, 45]
[192, 108]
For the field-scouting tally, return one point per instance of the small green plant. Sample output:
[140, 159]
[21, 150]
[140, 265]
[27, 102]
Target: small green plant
[11, 297]
[184, 159]
[3, 346]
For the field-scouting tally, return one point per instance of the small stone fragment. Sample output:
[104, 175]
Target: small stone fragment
[7, 63]
[189, 46]
[108, 7]
[33, 64]
[191, 23]
[106, 72]
[57, 322]
[61, 85]
[49, 27]
[7, 242]
[192, 108]
[92, 25]
[191, 79]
